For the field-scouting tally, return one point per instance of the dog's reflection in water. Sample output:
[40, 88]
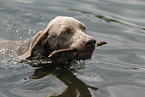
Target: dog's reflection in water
[75, 87]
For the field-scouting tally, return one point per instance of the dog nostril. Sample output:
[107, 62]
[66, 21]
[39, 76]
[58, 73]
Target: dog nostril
[90, 43]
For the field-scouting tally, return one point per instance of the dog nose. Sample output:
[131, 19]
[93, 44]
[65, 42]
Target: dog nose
[90, 43]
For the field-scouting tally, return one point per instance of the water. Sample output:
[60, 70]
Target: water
[115, 70]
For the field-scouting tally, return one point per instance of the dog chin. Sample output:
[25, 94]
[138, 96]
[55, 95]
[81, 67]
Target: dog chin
[84, 55]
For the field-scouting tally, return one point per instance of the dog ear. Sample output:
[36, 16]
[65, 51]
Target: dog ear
[32, 45]
[36, 47]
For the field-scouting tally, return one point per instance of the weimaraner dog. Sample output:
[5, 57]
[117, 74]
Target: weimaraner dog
[64, 39]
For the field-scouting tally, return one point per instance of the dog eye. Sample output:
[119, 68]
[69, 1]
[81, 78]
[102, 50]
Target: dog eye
[66, 32]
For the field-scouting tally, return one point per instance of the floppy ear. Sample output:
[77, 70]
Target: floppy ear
[31, 46]
[36, 47]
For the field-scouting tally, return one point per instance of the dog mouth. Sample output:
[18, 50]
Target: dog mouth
[70, 54]
[84, 55]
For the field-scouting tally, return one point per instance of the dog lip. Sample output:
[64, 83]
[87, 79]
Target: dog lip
[63, 55]
[62, 51]
[84, 55]
[70, 54]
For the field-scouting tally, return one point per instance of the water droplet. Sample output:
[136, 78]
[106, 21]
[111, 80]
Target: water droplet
[34, 31]
[17, 31]
[30, 31]
[21, 37]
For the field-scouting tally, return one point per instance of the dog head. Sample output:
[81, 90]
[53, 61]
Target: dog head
[65, 35]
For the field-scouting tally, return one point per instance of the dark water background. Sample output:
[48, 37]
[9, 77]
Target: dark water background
[115, 70]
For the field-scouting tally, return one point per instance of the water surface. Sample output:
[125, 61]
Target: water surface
[115, 70]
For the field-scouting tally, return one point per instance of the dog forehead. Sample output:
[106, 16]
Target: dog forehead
[65, 20]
